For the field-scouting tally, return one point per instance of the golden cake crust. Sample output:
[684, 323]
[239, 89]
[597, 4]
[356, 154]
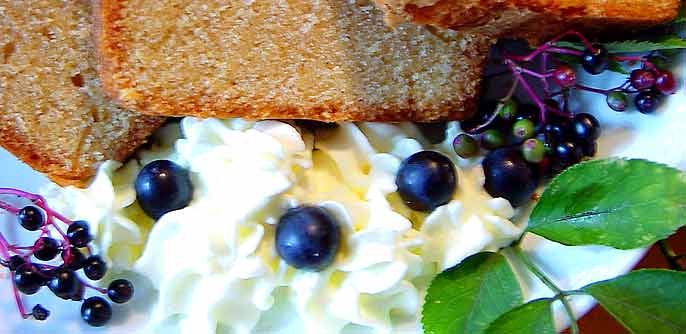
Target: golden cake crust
[328, 61]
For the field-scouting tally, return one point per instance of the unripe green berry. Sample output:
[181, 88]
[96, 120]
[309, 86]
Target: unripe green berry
[509, 110]
[533, 150]
[617, 101]
[492, 139]
[523, 129]
[465, 146]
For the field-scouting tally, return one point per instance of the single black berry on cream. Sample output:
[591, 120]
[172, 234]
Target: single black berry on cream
[120, 291]
[509, 176]
[308, 238]
[426, 180]
[96, 311]
[163, 186]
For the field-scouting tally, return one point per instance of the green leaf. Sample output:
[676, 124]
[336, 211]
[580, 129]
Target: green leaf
[534, 317]
[619, 203]
[645, 301]
[669, 42]
[467, 298]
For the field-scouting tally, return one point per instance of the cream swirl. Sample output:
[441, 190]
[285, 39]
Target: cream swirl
[214, 262]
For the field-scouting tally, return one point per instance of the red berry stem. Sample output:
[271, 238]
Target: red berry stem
[17, 299]
[628, 58]
[4, 249]
[533, 73]
[495, 114]
[38, 200]
[544, 69]
[9, 208]
[564, 51]
[100, 290]
[593, 90]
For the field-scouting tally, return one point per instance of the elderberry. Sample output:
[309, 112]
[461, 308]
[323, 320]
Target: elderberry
[28, 279]
[46, 249]
[595, 61]
[642, 79]
[646, 102]
[96, 311]
[79, 233]
[120, 291]
[31, 218]
[665, 83]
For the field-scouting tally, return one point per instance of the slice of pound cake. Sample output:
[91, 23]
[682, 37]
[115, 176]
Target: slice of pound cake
[53, 114]
[332, 60]
[532, 19]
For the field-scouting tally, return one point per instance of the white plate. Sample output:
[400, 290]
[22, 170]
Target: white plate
[660, 139]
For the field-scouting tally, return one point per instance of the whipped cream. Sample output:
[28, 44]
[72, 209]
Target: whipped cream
[214, 262]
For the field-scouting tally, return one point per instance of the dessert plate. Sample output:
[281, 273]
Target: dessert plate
[656, 137]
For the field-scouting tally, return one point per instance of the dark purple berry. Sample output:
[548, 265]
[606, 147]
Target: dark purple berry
[163, 186]
[426, 180]
[557, 131]
[548, 141]
[64, 283]
[94, 268]
[585, 127]
[76, 258]
[46, 249]
[308, 238]
[15, 262]
[509, 176]
[588, 147]
[96, 311]
[642, 79]
[120, 291]
[564, 76]
[79, 233]
[646, 102]
[40, 313]
[433, 132]
[28, 279]
[568, 153]
[31, 218]
[595, 61]
[665, 83]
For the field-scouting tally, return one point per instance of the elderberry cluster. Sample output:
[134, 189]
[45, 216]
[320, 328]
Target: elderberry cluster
[534, 141]
[55, 263]
[649, 85]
